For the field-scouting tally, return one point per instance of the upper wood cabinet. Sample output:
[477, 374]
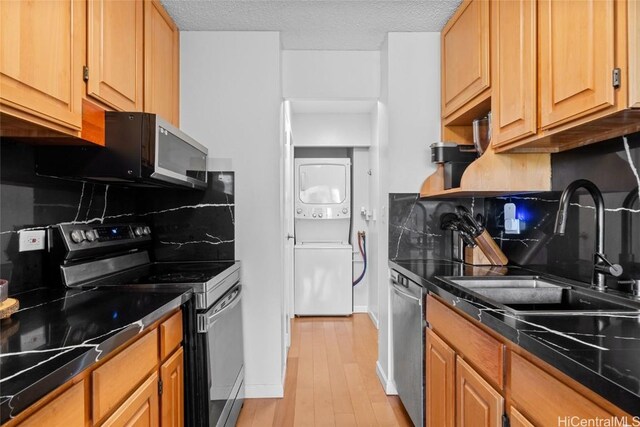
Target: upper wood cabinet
[513, 70]
[161, 62]
[465, 56]
[114, 53]
[576, 58]
[42, 45]
[580, 45]
[633, 41]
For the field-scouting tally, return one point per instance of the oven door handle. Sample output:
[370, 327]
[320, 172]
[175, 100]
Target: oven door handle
[206, 320]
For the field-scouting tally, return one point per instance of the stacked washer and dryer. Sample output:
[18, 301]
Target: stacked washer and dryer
[323, 254]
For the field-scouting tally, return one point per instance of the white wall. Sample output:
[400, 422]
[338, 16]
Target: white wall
[331, 130]
[408, 122]
[361, 183]
[230, 101]
[414, 108]
[381, 170]
[330, 74]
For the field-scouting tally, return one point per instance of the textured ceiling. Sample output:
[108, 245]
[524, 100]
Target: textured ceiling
[314, 24]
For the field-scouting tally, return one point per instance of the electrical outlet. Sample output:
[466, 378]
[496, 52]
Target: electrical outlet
[32, 240]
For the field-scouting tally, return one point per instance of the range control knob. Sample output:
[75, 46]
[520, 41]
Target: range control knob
[138, 231]
[91, 235]
[77, 236]
[146, 231]
[320, 215]
[314, 215]
[299, 210]
[345, 210]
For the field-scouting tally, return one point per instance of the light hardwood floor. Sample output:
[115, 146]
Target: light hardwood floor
[331, 379]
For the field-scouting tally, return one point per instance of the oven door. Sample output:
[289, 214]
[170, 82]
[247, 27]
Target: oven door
[222, 327]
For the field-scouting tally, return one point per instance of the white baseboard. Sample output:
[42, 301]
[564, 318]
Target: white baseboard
[389, 386]
[360, 309]
[260, 391]
[374, 319]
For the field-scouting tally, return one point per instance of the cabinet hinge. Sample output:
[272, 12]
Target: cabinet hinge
[505, 421]
[160, 387]
[85, 73]
[616, 78]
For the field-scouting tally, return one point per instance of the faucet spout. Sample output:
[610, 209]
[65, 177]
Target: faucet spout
[601, 265]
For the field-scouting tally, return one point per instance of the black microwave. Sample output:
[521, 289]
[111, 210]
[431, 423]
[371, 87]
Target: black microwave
[140, 149]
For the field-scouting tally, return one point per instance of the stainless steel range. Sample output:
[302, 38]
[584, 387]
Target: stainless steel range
[115, 255]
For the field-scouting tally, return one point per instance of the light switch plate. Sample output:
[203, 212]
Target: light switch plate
[32, 240]
[511, 223]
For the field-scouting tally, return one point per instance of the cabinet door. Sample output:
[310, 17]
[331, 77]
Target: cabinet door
[114, 53]
[63, 411]
[41, 58]
[140, 409]
[516, 419]
[440, 394]
[477, 403]
[172, 401]
[513, 72]
[634, 53]
[161, 62]
[465, 55]
[576, 58]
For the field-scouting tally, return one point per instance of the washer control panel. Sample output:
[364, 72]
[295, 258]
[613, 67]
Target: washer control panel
[323, 212]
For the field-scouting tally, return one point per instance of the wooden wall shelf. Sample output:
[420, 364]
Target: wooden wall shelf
[495, 174]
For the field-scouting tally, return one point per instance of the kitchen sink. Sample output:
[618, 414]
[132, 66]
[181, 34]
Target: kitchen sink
[536, 296]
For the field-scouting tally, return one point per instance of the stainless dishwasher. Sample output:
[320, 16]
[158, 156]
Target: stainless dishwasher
[408, 323]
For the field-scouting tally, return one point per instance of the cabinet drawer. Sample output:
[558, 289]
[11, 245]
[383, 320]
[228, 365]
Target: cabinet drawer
[63, 411]
[543, 399]
[170, 335]
[117, 378]
[484, 352]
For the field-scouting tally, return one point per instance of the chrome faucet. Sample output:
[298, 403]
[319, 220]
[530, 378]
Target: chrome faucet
[601, 265]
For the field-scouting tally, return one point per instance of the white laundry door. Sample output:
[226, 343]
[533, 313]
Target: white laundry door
[323, 274]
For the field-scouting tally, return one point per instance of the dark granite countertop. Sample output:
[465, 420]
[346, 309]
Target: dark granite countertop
[58, 333]
[602, 352]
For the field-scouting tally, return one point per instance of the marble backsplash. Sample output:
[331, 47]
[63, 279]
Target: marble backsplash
[612, 165]
[414, 225]
[187, 224]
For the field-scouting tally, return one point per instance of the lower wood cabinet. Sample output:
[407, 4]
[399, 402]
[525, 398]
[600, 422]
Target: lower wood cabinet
[440, 393]
[140, 409]
[516, 419]
[455, 393]
[545, 399]
[477, 403]
[64, 411]
[141, 384]
[465, 385]
[172, 400]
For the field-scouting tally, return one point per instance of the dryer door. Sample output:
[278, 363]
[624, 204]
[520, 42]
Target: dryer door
[322, 184]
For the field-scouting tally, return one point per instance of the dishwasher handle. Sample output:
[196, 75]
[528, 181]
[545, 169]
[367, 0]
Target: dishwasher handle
[398, 290]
